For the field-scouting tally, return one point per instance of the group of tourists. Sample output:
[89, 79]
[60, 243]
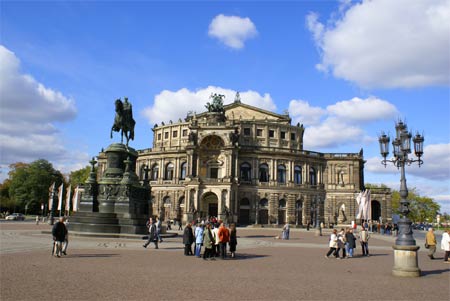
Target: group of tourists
[213, 238]
[342, 244]
[430, 244]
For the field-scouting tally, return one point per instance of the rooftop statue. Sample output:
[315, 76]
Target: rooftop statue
[217, 103]
[123, 121]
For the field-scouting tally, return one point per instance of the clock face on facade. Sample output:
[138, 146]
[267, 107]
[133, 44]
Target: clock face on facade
[212, 142]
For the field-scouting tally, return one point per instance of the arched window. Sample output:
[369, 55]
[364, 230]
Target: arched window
[297, 174]
[169, 171]
[312, 176]
[183, 170]
[155, 172]
[264, 203]
[282, 204]
[244, 202]
[167, 201]
[281, 174]
[264, 173]
[246, 172]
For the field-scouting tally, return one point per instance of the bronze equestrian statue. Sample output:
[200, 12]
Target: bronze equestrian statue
[123, 121]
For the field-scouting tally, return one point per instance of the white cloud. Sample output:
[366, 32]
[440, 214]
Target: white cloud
[172, 105]
[363, 110]
[340, 123]
[387, 43]
[233, 31]
[303, 111]
[331, 133]
[28, 111]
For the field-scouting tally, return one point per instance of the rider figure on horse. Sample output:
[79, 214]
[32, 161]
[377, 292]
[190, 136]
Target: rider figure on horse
[123, 120]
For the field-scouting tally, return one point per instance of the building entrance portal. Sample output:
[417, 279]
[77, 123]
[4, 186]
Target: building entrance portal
[376, 210]
[213, 209]
[210, 205]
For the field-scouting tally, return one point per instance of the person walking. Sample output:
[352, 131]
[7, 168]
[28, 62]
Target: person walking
[224, 238]
[233, 240]
[188, 239]
[152, 234]
[445, 245]
[198, 240]
[285, 233]
[208, 242]
[430, 241]
[59, 232]
[364, 241]
[180, 226]
[158, 229]
[332, 243]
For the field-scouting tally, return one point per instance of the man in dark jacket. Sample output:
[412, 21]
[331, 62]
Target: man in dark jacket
[59, 232]
[188, 239]
[152, 234]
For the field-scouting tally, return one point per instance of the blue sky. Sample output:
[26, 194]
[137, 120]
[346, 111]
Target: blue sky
[346, 70]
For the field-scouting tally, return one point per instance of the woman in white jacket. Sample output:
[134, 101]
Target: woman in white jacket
[445, 245]
[332, 244]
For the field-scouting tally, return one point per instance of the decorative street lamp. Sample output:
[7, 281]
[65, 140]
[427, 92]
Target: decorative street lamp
[405, 245]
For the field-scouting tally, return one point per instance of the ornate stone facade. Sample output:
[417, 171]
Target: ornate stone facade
[248, 165]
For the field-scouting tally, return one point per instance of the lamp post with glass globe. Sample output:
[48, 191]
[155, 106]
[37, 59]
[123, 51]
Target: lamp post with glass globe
[405, 249]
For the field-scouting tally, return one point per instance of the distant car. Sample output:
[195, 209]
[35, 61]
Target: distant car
[15, 217]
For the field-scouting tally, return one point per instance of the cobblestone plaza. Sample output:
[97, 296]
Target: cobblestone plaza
[265, 269]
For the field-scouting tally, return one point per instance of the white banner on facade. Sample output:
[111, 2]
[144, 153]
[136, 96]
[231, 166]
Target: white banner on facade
[69, 191]
[60, 196]
[51, 191]
[75, 201]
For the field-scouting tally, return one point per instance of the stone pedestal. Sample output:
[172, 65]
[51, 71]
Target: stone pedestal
[405, 261]
[117, 203]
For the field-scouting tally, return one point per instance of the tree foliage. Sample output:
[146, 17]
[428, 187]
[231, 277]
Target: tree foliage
[422, 209]
[29, 184]
[79, 176]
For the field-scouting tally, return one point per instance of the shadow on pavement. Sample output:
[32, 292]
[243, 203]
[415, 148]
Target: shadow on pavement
[91, 255]
[243, 256]
[173, 248]
[256, 236]
[433, 272]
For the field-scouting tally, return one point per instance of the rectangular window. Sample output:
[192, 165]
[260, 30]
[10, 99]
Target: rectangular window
[283, 135]
[185, 133]
[214, 173]
[166, 135]
[271, 133]
[259, 132]
[174, 134]
[159, 136]
[292, 136]
[246, 131]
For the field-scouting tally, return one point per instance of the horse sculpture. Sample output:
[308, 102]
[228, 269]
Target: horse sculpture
[123, 121]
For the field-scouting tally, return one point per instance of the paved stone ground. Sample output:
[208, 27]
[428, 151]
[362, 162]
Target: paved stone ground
[265, 269]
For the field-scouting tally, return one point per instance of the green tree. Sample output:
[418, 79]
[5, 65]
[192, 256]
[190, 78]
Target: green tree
[6, 204]
[422, 209]
[79, 176]
[30, 183]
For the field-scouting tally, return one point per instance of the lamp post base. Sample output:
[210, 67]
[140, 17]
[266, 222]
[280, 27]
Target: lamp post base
[405, 261]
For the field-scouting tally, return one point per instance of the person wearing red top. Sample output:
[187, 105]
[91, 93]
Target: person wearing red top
[224, 237]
